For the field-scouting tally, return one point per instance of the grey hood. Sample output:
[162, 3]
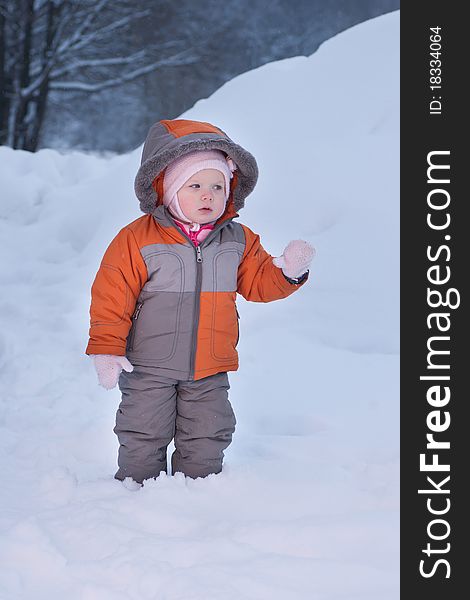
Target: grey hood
[169, 139]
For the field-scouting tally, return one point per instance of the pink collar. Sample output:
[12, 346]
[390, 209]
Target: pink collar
[193, 235]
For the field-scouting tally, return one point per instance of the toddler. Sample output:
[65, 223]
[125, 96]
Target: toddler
[164, 321]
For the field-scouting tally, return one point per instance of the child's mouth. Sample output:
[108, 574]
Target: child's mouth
[206, 209]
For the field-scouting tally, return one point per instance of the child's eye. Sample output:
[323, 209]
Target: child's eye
[217, 186]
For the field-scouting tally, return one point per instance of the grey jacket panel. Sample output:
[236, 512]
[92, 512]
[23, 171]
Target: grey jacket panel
[170, 267]
[161, 333]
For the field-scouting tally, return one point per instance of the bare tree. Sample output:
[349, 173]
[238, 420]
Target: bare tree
[68, 45]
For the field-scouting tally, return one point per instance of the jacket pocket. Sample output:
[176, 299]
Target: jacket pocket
[224, 327]
[238, 326]
[135, 316]
[156, 329]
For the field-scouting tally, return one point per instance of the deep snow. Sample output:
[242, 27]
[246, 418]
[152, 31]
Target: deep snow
[307, 504]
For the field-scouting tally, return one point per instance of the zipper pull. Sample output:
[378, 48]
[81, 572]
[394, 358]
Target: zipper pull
[198, 254]
[138, 308]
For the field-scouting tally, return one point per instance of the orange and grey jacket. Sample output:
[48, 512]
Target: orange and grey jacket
[164, 302]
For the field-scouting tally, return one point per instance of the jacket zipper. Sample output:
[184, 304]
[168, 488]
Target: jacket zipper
[197, 299]
[135, 316]
[238, 327]
[197, 302]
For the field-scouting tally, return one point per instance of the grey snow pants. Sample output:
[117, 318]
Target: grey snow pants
[155, 409]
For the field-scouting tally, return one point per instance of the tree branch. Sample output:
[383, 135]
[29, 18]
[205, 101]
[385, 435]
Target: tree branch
[83, 86]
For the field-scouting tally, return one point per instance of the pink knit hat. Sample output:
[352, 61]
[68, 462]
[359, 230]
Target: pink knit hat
[181, 169]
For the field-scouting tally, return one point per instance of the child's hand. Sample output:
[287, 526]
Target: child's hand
[109, 367]
[295, 259]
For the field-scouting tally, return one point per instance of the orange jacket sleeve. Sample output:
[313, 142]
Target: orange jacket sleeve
[259, 279]
[114, 292]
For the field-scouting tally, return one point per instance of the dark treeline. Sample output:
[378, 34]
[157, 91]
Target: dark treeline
[93, 74]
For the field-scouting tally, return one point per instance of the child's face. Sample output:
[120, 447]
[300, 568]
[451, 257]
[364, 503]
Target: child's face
[202, 196]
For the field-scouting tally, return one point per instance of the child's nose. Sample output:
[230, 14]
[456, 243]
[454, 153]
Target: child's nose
[206, 195]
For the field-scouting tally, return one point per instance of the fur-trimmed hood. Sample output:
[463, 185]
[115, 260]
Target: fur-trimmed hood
[169, 139]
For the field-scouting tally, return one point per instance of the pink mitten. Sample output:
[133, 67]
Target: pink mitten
[109, 367]
[295, 259]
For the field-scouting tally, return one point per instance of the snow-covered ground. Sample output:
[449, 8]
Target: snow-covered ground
[307, 504]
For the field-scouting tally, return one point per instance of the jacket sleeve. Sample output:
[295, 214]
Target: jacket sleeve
[259, 279]
[121, 276]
